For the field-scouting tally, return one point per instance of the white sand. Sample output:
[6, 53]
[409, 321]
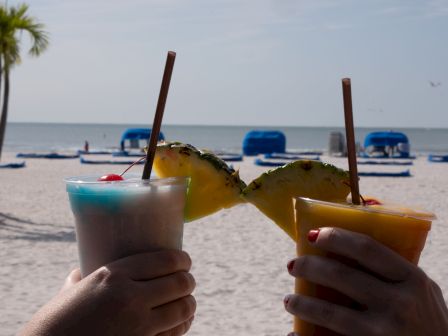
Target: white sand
[239, 255]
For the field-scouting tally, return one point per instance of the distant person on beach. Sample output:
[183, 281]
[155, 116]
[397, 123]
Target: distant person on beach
[86, 146]
[399, 298]
[144, 294]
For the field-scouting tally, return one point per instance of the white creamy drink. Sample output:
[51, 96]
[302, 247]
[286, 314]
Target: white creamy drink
[120, 218]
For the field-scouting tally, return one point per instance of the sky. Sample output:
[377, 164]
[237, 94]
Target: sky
[239, 62]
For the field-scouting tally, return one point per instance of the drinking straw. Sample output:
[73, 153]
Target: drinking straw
[159, 114]
[350, 135]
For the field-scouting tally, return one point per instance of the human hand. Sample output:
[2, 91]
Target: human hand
[144, 294]
[400, 299]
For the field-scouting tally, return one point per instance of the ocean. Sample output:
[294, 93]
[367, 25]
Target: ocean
[44, 137]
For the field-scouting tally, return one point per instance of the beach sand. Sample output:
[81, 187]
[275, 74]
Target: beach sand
[239, 255]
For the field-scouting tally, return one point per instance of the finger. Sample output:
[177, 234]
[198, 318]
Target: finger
[72, 279]
[181, 329]
[367, 251]
[150, 265]
[168, 288]
[174, 313]
[336, 318]
[356, 284]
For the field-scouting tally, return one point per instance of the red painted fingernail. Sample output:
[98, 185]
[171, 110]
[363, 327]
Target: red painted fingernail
[286, 300]
[291, 265]
[312, 235]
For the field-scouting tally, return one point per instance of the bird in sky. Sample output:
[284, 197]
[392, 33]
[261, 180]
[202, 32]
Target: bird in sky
[434, 84]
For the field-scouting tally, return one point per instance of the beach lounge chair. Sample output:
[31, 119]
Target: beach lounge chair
[95, 152]
[231, 157]
[47, 156]
[106, 162]
[275, 163]
[288, 156]
[13, 165]
[386, 163]
[405, 173]
[437, 158]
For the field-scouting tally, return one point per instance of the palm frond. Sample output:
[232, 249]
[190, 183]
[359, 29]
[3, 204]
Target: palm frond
[12, 56]
[13, 21]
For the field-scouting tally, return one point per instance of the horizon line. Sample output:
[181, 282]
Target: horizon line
[224, 125]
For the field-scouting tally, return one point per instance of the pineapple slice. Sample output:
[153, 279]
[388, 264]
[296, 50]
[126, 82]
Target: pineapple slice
[272, 193]
[213, 185]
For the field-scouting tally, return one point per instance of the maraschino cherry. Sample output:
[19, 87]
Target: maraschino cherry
[372, 201]
[111, 177]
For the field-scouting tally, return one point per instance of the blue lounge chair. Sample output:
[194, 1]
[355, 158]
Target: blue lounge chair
[47, 156]
[265, 163]
[13, 165]
[103, 162]
[437, 158]
[129, 153]
[287, 156]
[386, 163]
[95, 152]
[273, 163]
[405, 173]
[231, 157]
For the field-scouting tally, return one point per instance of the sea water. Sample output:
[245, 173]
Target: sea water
[121, 218]
[62, 137]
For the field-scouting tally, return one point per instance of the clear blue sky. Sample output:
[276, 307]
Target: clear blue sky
[239, 62]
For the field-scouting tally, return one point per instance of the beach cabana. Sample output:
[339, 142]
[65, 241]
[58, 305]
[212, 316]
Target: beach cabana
[387, 145]
[132, 138]
[264, 142]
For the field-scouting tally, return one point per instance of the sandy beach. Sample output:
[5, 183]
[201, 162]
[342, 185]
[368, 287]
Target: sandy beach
[239, 255]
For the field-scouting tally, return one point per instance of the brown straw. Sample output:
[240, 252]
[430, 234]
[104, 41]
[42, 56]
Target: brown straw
[159, 115]
[350, 134]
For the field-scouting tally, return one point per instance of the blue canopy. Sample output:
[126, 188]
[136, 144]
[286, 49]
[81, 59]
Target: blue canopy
[383, 139]
[264, 142]
[136, 134]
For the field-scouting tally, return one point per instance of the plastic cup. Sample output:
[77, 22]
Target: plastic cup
[120, 218]
[402, 229]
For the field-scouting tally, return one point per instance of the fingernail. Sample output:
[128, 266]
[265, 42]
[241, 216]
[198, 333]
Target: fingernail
[286, 300]
[291, 265]
[312, 235]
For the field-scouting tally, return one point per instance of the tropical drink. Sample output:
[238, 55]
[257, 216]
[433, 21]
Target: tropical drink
[115, 219]
[404, 230]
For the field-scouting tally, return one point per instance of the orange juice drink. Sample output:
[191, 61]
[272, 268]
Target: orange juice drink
[402, 229]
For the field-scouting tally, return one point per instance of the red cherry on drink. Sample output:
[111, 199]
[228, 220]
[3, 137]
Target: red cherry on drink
[111, 177]
[372, 201]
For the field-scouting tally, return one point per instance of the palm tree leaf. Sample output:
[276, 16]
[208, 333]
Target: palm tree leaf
[14, 21]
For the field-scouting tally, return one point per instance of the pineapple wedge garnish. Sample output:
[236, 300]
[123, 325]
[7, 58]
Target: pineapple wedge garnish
[273, 192]
[213, 184]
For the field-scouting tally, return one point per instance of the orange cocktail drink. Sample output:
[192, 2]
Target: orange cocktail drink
[402, 229]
